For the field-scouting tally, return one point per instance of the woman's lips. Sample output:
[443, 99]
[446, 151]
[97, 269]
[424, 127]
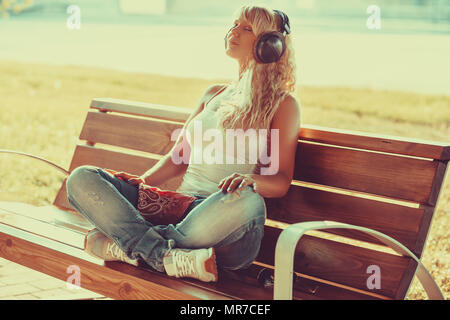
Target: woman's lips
[232, 41]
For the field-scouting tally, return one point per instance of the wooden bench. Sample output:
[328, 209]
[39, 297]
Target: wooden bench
[377, 192]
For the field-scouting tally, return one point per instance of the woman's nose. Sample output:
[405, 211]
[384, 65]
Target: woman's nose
[234, 32]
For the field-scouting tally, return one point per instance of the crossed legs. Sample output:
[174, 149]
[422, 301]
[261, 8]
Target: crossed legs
[232, 224]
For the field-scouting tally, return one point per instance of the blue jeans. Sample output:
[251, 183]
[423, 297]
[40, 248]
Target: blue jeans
[233, 225]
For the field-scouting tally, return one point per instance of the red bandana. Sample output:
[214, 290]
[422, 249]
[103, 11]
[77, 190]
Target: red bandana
[159, 207]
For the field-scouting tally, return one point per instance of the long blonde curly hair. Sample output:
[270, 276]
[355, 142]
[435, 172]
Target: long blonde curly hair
[256, 95]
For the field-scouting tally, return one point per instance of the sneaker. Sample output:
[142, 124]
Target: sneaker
[100, 246]
[198, 264]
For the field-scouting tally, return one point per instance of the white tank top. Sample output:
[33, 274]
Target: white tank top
[206, 168]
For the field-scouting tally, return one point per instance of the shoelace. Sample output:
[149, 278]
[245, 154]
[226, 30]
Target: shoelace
[114, 250]
[184, 264]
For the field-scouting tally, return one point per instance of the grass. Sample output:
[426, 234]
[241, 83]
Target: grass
[42, 110]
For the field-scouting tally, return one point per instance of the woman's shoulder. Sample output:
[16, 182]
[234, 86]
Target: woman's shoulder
[211, 92]
[289, 105]
[213, 89]
[288, 111]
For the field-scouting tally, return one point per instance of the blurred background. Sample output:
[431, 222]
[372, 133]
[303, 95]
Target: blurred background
[334, 44]
[379, 66]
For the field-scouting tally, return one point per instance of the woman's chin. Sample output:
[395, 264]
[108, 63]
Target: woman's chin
[230, 53]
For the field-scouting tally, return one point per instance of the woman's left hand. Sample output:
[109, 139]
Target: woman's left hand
[236, 181]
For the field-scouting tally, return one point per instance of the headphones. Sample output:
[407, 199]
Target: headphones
[270, 46]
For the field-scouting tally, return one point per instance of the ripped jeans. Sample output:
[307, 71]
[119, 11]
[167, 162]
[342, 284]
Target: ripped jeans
[233, 225]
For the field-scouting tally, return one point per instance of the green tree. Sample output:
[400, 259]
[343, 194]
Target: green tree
[13, 6]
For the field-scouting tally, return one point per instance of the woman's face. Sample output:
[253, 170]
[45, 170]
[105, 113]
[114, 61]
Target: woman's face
[240, 40]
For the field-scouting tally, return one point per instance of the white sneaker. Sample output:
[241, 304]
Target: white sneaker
[100, 246]
[198, 264]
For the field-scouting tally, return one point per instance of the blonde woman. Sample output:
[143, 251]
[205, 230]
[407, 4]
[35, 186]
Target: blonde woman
[224, 225]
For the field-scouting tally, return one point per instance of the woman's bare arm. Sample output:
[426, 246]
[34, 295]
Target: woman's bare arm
[287, 121]
[165, 168]
[276, 182]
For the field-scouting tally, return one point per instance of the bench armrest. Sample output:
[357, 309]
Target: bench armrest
[37, 158]
[287, 242]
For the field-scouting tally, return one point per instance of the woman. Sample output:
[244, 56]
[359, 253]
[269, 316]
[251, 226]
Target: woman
[224, 225]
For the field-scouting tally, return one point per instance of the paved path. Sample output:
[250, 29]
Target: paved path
[21, 283]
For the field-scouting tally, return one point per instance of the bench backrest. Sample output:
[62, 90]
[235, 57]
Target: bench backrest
[385, 183]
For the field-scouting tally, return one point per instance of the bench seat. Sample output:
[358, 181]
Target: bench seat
[387, 184]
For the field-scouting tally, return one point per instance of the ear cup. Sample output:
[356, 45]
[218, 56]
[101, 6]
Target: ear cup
[269, 47]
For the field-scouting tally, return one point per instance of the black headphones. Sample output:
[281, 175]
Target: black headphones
[270, 46]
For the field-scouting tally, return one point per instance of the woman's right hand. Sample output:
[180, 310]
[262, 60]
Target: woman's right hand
[132, 179]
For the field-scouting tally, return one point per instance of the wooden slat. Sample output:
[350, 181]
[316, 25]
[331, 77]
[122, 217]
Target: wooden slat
[50, 215]
[228, 288]
[339, 262]
[341, 137]
[380, 174]
[87, 155]
[303, 204]
[141, 108]
[376, 142]
[146, 135]
[304, 288]
[41, 225]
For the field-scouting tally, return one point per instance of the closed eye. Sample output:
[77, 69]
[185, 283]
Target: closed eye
[246, 28]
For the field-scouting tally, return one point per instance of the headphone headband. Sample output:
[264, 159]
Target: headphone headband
[285, 25]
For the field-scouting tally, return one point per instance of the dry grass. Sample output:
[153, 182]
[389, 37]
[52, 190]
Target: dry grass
[42, 109]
